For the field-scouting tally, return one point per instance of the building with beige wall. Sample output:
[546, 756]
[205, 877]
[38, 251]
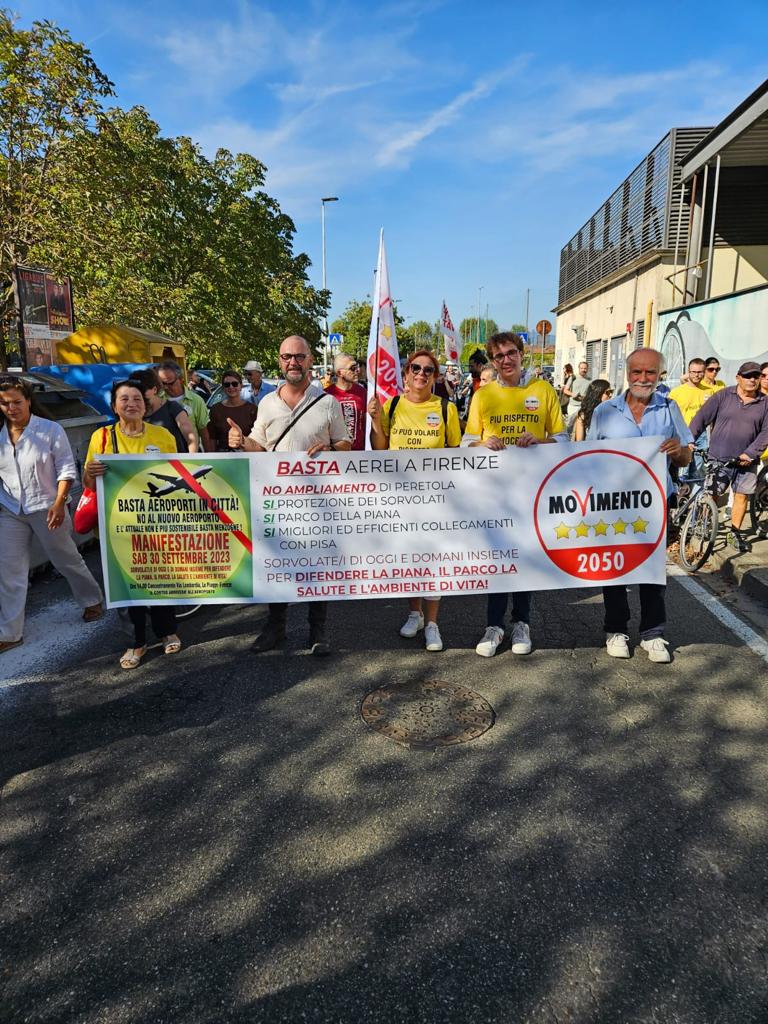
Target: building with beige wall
[646, 251]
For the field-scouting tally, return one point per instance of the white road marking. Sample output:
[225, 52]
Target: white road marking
[53, 637]
[744, 632]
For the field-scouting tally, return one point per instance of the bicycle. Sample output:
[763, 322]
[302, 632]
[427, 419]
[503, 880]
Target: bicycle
[697, 512]
[758, 503]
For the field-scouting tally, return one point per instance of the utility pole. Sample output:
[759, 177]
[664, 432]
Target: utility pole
[323, 201]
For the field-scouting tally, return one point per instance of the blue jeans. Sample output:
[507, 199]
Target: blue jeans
[695, 467]
[497, 607]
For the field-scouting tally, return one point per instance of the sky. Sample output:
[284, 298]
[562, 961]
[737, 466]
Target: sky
[480, 136]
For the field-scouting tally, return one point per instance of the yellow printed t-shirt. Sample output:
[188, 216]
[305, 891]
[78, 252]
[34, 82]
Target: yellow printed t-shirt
[154, 439]
[420, 425]
[509, 412]
[716, 385]
[690, 398]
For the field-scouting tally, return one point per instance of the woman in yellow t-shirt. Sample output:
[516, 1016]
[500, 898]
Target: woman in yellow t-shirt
[134, 437]
[420, 420]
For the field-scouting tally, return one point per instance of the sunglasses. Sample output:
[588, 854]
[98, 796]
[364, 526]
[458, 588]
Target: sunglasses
[750, 376]
[428, 371]
[230, 384]
[713, 369]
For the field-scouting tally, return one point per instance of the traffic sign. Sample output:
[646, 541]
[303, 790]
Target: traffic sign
[544, 327]
[524, 336]
[335, 340]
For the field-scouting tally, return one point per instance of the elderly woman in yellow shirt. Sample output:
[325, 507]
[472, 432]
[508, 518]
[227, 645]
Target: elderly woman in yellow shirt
[132, 436]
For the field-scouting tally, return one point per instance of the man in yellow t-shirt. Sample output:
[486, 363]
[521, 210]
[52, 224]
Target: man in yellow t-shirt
[690, 397]
[693, 394]
[503, 413]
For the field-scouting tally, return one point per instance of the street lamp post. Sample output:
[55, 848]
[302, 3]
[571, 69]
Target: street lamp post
[479, 307]
[323, 201]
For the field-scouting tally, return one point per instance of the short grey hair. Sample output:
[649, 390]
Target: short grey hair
[342, 358]
[662, 361]
[172, 367]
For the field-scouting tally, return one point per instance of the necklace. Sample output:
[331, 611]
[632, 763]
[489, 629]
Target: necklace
[128, 433]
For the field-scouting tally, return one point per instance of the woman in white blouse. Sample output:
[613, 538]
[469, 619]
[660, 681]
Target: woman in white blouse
[36, 473]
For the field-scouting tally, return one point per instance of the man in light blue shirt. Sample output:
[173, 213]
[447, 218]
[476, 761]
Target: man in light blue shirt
[258, 387]
[641, 412]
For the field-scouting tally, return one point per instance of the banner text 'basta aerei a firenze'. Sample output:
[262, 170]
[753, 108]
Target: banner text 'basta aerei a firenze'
[283, 527]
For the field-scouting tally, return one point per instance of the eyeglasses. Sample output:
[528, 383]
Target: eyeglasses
[230, 384]
[426, 370]
[297, 357]
[712, 369]
[501, 356]
[695, 373]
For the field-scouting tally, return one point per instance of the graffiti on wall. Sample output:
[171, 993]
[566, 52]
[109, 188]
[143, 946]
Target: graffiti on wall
[733, 328]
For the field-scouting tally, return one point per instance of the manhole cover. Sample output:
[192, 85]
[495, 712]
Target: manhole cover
[428, 714]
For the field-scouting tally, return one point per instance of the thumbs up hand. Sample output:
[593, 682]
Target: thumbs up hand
[235, 437]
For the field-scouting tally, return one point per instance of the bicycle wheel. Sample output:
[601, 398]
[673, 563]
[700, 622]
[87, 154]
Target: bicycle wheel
[697, 537]
[185, 611]
[758, 506]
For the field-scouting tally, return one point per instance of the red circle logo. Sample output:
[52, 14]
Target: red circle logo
[600, 531]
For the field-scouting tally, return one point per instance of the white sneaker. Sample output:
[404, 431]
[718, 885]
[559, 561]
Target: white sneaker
[617, 646]
[657, 649]
[432, 639]
[492, 637]
[412, 625]
[521, 638]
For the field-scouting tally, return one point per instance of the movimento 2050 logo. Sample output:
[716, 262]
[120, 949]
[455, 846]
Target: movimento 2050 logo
[602, 530]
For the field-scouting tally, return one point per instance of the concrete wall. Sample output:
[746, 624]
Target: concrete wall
[734, 269]
[606, 314]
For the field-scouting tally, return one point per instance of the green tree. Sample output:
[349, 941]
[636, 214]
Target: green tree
[50, 94]
[355, 324]
[153, 233]
[182, 244]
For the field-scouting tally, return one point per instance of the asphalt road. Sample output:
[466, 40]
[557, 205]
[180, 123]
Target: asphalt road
[219, 837]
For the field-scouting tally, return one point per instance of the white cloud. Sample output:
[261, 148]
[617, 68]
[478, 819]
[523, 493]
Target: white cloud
[394, 151]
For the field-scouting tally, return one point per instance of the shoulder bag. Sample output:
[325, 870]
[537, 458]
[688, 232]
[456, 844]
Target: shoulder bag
[87, 512]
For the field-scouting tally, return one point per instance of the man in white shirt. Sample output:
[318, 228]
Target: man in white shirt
[297, 417]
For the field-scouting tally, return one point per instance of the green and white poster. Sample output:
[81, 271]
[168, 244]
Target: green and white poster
[176, 530]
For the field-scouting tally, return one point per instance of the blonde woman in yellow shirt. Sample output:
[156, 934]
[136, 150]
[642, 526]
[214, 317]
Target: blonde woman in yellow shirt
[420, 420]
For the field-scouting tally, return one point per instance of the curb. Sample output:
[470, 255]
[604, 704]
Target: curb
[749, 571]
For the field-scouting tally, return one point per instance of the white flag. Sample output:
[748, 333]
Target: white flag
[383, 357]
[450, 336]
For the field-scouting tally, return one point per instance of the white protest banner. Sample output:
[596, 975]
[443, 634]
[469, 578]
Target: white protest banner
[380, 524]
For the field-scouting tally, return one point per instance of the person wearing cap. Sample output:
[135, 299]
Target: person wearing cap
[738, 417]
[258, 387]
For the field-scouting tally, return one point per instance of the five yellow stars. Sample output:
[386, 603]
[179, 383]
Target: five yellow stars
[563, 532]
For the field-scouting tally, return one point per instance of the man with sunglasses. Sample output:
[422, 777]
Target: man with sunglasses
[351, 396]
[738, 417]
[297, 417]
[506, 412]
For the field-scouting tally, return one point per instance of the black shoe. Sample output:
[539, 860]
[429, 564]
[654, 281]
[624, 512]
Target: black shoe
[739, 542]
[270, 637]
[318, 642]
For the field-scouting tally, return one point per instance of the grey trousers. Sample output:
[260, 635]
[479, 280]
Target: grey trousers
[16, 534]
